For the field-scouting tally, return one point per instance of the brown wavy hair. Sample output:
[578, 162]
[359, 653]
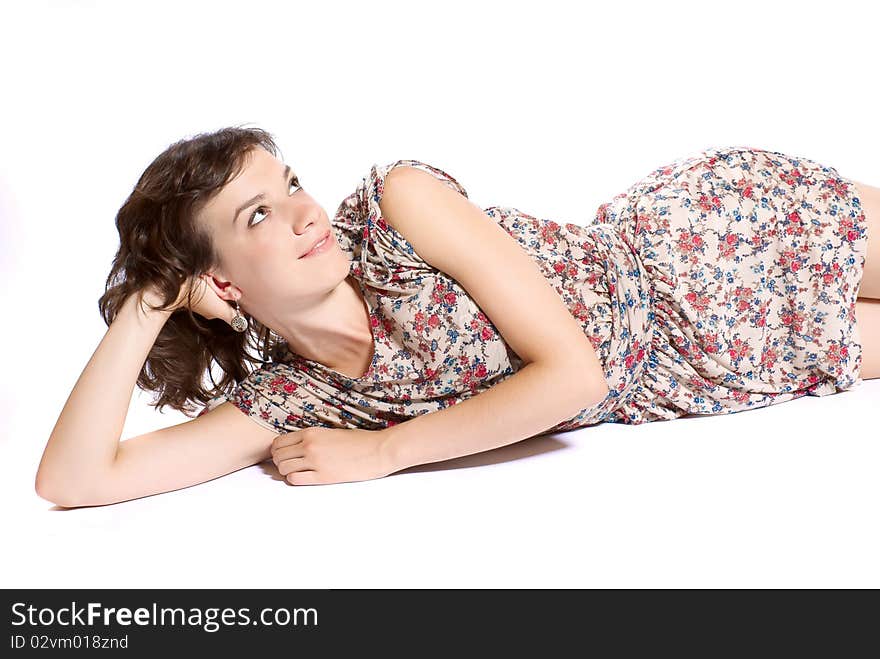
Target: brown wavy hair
[161, 245]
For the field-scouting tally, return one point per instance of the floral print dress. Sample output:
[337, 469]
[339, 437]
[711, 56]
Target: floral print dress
[723, 281]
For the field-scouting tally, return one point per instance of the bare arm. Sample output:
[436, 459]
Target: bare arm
[562, 373]
[84, 462]
[535, 398]
[85, 439]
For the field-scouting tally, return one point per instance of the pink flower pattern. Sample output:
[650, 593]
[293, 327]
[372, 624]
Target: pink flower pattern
[723, 281]
[755, 259]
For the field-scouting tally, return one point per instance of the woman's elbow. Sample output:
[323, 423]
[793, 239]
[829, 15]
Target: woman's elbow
[44, 488]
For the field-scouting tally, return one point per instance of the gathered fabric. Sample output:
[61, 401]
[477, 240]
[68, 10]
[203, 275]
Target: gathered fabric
[723, 281]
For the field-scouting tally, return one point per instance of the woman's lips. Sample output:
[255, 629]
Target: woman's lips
[324, 238]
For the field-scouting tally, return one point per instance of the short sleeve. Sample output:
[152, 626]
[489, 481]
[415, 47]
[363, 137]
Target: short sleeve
[385, 259]
[282, 397]
[268, 398]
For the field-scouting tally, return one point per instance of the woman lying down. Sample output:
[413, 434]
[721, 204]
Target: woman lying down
[414, 326]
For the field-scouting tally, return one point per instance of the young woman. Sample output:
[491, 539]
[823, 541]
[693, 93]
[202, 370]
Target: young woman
[414, 326]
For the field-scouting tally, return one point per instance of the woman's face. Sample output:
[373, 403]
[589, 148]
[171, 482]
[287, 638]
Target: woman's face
[261, 240]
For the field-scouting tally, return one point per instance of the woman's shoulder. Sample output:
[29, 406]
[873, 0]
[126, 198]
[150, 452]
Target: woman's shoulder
[383, 258]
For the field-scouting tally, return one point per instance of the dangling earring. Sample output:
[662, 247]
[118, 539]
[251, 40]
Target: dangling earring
[239, 322]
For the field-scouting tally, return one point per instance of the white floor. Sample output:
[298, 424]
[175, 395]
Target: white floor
[785, 496]
[552, 112]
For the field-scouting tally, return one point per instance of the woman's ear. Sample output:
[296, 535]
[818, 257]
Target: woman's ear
[225, 290]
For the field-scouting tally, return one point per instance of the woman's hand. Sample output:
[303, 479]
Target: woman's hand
[321, 456]
[205, 302]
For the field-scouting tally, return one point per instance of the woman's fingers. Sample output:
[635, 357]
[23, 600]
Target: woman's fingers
[294, 451]
[291, 464]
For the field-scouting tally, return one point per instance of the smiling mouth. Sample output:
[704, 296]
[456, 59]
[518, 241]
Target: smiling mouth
[320, 243]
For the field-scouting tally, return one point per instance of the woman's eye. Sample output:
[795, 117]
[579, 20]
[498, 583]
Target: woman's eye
[259, 209]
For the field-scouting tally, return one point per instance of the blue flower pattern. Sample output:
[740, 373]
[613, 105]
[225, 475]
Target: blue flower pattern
[723, 281]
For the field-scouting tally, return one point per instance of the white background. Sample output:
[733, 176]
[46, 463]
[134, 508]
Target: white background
[552, 107]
